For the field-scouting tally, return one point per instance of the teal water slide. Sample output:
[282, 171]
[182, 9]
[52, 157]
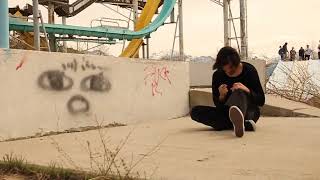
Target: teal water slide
[107, 32]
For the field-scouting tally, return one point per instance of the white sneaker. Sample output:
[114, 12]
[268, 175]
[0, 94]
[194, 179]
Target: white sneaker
[237, 119]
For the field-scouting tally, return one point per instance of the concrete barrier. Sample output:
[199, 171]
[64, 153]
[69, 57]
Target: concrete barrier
[289, 75]
[201, 73]
[42, 92]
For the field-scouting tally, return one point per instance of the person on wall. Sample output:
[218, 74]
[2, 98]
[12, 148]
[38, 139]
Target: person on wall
[301, 54]
[319, 50]
[281, 53]
[293, 54]
[308, 53]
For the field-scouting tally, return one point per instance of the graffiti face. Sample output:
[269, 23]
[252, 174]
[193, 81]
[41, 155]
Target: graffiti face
[96, 83]
[78, 104]
[58, 80]
[55, 80]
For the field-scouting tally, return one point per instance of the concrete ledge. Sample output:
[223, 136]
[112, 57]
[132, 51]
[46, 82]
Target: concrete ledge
[274, 107]
[201, 73]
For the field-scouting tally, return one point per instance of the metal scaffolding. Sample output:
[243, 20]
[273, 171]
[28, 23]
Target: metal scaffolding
[230, 30]
[179, 26]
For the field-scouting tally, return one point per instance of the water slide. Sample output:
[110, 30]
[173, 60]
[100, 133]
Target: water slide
[144, 28]
[148, 12]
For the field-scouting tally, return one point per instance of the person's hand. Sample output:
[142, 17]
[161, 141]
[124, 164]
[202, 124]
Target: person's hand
[240, 86]
[223, 91]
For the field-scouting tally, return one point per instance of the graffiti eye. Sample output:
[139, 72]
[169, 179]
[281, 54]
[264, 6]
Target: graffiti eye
[55, 80]
[96, 82]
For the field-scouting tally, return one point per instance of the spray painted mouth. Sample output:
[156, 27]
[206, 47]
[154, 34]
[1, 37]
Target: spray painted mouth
[78, 105]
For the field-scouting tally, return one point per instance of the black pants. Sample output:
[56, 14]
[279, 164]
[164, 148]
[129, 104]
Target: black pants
[218, 117]
[307, 57]
[319, 55]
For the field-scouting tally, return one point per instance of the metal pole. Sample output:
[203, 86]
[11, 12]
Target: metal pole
[51, 21]
[226, 22]
[174, 37]
[44, 31]
[135, 17]
[148, 48]
[172, 16]
[243, 29]
[36, 30]
[4, 24]
[181, 47]
[135, 11]
[64, 22]
[143, 51]
[51, 13]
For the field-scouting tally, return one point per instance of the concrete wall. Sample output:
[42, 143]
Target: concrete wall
[42, 92]
[201, 73]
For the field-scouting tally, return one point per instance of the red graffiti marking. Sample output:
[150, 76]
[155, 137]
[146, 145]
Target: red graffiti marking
[154, 75]
[21, 62]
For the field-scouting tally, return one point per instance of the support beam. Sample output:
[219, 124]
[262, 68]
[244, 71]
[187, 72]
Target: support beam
[51, 13]
[148, 48]
[135, 7]
[226, 24]
[4, 24]
[181, 45]
[64, 22]
[52, 39]
[243, 29]
[36, 30]
[135, 11]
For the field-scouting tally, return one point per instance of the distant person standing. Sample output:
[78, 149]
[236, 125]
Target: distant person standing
[293, 54]
[308, 53]
[285, 50]
[301, 54]
[280, 52]
[319, 50]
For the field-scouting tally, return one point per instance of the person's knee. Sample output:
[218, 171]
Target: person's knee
[239, 91]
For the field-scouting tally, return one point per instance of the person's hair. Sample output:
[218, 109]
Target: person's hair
[227, 55]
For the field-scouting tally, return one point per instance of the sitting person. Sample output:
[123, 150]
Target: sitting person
[237, 94]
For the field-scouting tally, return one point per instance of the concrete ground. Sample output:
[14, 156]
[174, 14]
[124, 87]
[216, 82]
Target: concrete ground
[281, 149]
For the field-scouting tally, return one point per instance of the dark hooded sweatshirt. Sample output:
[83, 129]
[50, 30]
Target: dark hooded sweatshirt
[249, 77]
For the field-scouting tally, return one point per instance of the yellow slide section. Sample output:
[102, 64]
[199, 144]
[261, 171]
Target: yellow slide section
[151, 7]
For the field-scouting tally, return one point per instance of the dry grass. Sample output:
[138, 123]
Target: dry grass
[105, 161]
[300, 85]
[11, 164]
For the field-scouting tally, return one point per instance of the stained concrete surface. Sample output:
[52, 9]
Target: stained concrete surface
[281, 149]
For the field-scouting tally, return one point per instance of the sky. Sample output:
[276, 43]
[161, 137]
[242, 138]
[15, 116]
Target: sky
[271, 23]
